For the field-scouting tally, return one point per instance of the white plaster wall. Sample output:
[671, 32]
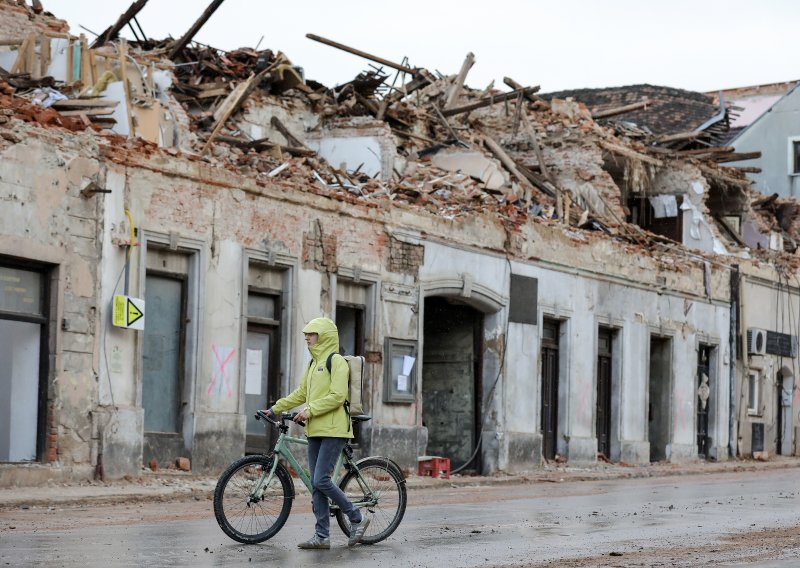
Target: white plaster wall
[521, 382]
[117, 383]
[218, 380]
[446, 262]
[639, 312]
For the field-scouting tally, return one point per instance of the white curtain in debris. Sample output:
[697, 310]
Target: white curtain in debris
[664, 206]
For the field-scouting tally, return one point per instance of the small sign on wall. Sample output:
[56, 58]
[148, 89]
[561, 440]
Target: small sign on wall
[128, 312]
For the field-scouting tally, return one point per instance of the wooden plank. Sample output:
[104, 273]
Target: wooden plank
[210, 93]
[87, 111]
[68, 76]
[123, 71]
[86, 73]
[112, 31]
[12, 41]
[236, 98]
[700, 151]
[620, 110]
[81, 103]
[737, 157]
[44, 54]
[509, 164]
[22, 55]
[516, 86]
[30, 59]
[488, 101]
[747, 169]
[628, 153]
[290, 138]
[93, 65]
[680, 136]
[455, 91]
[187, 37]
[537, 149]
[363, 54]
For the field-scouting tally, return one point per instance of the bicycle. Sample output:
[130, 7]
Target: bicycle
[253, 496]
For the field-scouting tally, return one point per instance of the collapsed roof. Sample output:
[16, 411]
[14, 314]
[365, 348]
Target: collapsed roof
[398, 133]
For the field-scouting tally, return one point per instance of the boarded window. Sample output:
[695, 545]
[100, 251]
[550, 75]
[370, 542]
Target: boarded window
[524, 299]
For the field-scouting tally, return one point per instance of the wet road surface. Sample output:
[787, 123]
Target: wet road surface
[731, 519]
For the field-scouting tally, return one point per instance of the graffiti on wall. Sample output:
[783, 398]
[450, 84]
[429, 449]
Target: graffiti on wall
[220, 379]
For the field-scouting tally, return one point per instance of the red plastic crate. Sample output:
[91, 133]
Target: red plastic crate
[434, 466]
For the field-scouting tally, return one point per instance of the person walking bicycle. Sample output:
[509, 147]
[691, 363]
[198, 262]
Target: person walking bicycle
[327, 426]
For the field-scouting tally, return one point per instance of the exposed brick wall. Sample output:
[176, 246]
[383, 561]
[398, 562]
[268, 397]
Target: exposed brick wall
[17, 21]
[51, 438]
[319, 249]
[405, 258]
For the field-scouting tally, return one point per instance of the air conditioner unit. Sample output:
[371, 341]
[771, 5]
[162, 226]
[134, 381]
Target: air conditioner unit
[756, 341]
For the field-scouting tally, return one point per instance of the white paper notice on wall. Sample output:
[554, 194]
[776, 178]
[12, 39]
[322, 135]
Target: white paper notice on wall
[402, 383]
[408, 364]
[252, 380]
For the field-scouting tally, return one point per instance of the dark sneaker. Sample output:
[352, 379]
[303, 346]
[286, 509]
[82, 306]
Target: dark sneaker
[316, 542]
[357, 531]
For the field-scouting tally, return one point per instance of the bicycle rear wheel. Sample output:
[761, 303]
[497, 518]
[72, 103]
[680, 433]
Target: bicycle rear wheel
[243, 516]
[383, 501]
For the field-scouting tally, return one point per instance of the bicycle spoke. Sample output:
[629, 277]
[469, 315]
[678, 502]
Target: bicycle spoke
[242, 513]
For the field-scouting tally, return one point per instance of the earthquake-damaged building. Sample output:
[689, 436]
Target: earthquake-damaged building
[166, 230]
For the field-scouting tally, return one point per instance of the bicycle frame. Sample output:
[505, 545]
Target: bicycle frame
[281, 449]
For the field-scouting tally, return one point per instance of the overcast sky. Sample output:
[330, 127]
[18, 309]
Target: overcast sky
[699, 45]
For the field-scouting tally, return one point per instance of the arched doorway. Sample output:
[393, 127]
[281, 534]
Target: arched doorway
[451, 380]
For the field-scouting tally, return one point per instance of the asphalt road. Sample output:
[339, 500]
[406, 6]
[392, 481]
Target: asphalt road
[730, 519]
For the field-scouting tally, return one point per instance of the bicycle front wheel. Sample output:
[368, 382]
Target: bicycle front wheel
[380, 493]
[241, 513]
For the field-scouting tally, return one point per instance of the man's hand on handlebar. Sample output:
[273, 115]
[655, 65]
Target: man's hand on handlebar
[301, 417]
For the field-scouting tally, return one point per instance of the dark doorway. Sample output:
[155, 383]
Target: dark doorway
[550, 330]
[779, 415]
[262, 366]
[163, 364]
[659, 397]
[350, 322]
[703, 399]
[451, 392]
[603, 410]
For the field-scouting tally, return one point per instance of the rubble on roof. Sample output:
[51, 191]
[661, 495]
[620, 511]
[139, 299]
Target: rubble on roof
[396, 133]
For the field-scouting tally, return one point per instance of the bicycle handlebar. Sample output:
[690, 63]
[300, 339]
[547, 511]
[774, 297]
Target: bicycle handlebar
[284, 417]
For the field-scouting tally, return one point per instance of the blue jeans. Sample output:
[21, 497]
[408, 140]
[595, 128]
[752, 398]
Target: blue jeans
[322, 456]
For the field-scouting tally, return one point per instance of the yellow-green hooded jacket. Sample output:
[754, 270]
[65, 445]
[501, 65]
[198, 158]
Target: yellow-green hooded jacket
[323, 393]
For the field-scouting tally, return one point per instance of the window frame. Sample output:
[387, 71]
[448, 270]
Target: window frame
[793, 158]
[754, 393]
[390, 392]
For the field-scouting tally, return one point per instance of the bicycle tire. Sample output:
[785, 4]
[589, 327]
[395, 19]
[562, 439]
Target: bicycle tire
[387, 482]
[238, 515]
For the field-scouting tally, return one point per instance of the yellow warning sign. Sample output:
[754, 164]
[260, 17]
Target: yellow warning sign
[128, 312]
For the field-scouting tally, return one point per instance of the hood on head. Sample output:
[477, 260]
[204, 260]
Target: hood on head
[328, 336]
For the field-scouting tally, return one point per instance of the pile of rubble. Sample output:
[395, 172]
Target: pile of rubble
[460, 151]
